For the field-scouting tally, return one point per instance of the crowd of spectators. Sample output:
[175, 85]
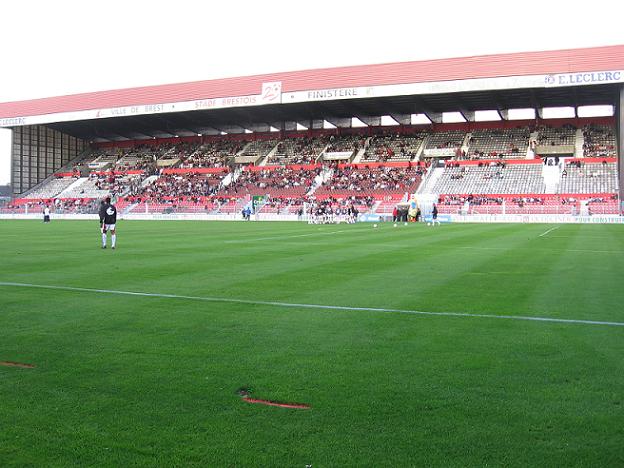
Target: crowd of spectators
[114, 182]
[304, 150]
[56, 205]
[280, 180]
[145, 163]
[591, 169]
[374, 179]
[472, 199]
[282, 205]
[349, 143]
[555, 136]
[598, 141]
[521, 201]
[175, 186]
[215, 154]
[392, 147]
[498, 143]
[612, 198]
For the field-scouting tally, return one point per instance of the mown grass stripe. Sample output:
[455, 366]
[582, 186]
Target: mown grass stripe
[311, 306]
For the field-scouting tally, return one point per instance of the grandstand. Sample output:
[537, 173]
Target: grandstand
[304, 146]
[391, 167]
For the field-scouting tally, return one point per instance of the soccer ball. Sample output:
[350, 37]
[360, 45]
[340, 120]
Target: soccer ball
[405, 224]
[428, 224]
[395, 224]
[374, 225]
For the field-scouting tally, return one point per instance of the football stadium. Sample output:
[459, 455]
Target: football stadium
[403, 264]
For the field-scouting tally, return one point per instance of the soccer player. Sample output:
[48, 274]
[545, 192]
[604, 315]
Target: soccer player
[434, 215]
[46, 214]
[108, 219]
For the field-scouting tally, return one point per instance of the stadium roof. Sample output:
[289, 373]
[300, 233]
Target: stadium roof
[504, 81]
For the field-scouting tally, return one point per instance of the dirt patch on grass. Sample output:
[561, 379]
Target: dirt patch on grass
[281, 404]
[16, 364]
[245, 393]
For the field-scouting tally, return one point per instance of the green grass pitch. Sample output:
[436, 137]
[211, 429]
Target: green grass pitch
[131, 380]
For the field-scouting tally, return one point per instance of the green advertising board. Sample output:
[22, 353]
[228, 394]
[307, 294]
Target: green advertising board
[258, 201]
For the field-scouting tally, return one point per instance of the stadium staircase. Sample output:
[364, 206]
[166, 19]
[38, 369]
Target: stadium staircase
[579, 142]
[530, 154]
[269, 156]
[230, 177]
[552, 177]
[421, 148]
[245, 148]
[430, 179]
[129, 208]
[72, 187]
[325, 175]
[149, 180]
[361, 152]
[465, 144]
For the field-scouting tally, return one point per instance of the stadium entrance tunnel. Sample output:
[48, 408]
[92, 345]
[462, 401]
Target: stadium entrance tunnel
[16, 364]
[245, 393]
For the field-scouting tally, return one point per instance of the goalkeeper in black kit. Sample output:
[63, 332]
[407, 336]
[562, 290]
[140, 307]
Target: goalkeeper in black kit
[108, 219]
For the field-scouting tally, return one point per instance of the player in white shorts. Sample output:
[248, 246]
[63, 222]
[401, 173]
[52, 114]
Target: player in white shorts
[108, 219]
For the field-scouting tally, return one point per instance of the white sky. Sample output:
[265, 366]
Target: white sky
[62, 47]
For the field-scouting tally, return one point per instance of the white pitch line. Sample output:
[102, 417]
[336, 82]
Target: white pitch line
[550, 230]
[312, 306]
